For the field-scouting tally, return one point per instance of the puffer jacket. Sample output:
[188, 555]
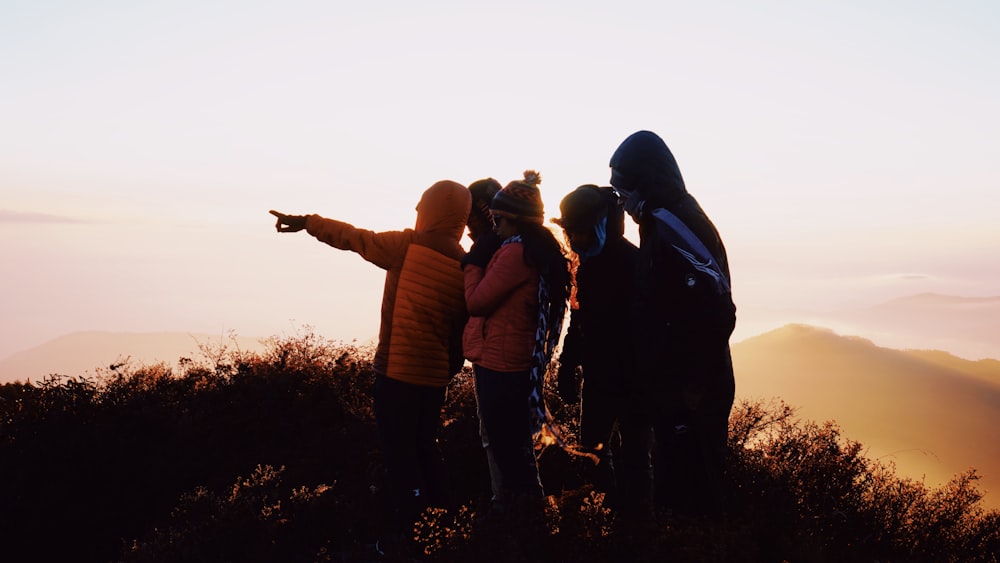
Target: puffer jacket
[423, 306]
[503, 307]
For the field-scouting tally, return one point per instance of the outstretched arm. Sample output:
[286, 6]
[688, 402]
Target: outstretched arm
[386, 250]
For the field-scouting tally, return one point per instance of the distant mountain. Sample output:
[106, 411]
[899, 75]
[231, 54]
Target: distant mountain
[966, 326]
[930, 412]
[83, 353]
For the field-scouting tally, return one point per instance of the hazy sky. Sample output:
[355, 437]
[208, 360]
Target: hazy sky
[847, 151]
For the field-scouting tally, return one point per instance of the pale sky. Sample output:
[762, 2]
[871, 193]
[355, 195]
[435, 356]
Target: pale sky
[847, 151]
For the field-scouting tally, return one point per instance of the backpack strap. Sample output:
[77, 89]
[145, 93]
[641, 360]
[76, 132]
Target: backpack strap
[690, 247]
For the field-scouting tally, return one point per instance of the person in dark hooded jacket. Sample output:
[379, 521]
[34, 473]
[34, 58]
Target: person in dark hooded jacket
[684, 316]
[599, 330]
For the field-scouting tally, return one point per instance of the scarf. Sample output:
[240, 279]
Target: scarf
[600, 237]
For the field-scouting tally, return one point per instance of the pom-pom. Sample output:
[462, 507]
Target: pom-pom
[532, 178]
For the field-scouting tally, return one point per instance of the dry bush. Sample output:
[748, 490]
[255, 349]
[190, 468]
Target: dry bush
[142, 464]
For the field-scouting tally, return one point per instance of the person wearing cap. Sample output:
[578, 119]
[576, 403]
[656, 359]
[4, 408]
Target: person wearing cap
[516, 287]
[418, 351]
[599, 331]
[684, 316]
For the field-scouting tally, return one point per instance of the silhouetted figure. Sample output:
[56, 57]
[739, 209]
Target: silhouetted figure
[597, 344]
[684, 318]
[516, 286]
[419, 347]
[481, 223]
[480, 218]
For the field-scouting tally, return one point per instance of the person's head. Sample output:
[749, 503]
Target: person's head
[584, 218]
[480, 220]
[444, 207]
[518, 210]
[519, 202]
[643, 165]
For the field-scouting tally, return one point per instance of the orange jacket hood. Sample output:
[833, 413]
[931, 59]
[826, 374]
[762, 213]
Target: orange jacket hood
[444, 208]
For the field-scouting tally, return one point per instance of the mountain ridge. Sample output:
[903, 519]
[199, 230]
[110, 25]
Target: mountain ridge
[82, 352]
[930, 412]
[965, 326]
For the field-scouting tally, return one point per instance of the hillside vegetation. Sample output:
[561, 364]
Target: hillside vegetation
[273, 456]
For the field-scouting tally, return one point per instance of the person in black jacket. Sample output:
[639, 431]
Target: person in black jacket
[480, 225]
[684, 316]
[594, 346]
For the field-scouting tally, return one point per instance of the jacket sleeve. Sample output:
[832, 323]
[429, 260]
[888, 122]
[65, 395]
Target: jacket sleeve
[386, 249]
[486, 289]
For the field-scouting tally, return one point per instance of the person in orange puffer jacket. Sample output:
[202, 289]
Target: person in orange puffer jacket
[419, 344]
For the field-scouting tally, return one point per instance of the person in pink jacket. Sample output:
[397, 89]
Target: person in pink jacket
[517, 282]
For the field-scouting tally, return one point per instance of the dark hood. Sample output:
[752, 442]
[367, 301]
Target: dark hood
[645, 165]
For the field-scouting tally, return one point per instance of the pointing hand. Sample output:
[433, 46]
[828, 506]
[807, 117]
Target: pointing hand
[288, 223]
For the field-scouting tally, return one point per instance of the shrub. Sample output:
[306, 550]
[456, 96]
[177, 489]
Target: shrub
[144, 465]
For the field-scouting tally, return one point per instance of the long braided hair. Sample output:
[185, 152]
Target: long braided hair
[543, 251]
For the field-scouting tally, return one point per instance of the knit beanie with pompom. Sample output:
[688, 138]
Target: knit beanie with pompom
[520, 200]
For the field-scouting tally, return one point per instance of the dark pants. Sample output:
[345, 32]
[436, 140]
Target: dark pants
[612, 427]
[691, 427]
[689, 461]
[503, 406]
[408, 418]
